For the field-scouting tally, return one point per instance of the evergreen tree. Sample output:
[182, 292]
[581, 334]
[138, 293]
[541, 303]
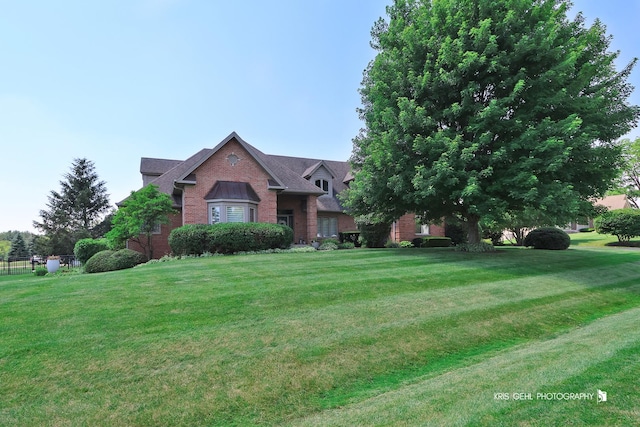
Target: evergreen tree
[18, 248]
[482, 109]
[75, 209]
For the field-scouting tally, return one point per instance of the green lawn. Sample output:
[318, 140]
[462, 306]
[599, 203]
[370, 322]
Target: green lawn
[360, 337]
[591, 239]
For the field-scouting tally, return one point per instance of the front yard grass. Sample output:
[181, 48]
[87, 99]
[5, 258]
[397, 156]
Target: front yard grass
[360, 337]
[596, 240]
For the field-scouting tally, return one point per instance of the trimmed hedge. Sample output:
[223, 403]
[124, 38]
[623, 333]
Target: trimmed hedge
[548, 238]
[113, 260]
[229, 238]
[190, 239]
[86, 248]
[99, 262]
[436, 242]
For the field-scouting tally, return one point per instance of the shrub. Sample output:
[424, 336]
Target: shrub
[417, 242]
[302, 249]
[228, 238]
[391, 244]
[190, 239]
[373, 234]
[99, 263]
[622, 223]
[436, 242]
[495, 235]
[350, 237]
[335, 241]
[113, 260]
[86, 248]
[547, 238]
[328, 245]
[40, 271]
[475, 247]
[406, 244]
[586, 230]
[126, 258]
[346, 245]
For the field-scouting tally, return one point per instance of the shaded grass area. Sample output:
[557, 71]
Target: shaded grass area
[593, 239]
[270, 339]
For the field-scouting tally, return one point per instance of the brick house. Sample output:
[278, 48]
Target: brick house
[236, 182]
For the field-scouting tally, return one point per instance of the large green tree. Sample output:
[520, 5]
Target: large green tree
[482, 108]
[139, 217]
[76, 209]
[630, 179]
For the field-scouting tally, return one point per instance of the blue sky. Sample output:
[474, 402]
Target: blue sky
[116, 80]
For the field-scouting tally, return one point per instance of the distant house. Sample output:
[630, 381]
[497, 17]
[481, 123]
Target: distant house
[619, 201]
[236, 182]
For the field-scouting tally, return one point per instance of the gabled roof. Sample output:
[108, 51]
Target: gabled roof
[618, 201]
[288, 175]
[150, 166]
[313, 168]
[251, 150]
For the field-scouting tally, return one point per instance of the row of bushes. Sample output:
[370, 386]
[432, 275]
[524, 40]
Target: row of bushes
[113, 260]
[228, 238]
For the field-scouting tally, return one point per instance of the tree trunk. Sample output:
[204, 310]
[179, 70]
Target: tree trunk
[149, 251]
[473, 230]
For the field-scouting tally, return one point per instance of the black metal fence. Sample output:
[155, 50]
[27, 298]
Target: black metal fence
[13, 266]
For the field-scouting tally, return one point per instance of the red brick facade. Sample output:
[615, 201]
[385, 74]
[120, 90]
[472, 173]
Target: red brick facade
[286, 191]
[159, 241]
[405, 229]
[219, 168]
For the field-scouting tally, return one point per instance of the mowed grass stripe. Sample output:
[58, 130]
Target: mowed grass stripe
[213, 341]
[465, 396]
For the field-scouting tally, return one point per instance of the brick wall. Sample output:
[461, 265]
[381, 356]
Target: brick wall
[159, 241]
[405, 229]
[218, 168]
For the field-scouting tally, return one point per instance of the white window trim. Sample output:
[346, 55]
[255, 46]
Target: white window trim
[424, 230]
[323, 174]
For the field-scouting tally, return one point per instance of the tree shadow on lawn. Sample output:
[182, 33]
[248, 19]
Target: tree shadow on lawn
[633, 244]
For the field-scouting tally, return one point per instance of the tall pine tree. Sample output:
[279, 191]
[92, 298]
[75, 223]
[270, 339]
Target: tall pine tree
[76, 209]
[18, 248]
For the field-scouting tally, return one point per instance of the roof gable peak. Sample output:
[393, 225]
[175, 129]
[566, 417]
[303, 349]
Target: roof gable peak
[253, 152]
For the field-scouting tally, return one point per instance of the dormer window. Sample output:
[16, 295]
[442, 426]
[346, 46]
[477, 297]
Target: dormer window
[324, 184]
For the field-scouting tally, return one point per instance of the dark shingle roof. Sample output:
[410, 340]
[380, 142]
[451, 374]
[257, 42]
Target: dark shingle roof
[286, 173]
[150, 166]
[228, 190]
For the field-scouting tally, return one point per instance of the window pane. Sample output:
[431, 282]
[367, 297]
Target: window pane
[235, 214]
[215, 214]
[320, 222]
[333, 227]
[252, 215]
[327, 227]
